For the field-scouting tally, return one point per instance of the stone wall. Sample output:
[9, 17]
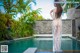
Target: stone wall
[45, 26]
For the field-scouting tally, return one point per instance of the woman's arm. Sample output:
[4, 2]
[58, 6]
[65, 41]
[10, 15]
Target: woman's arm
[51, 13]
[64, 5]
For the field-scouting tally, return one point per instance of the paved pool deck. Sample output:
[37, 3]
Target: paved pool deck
[51, 35]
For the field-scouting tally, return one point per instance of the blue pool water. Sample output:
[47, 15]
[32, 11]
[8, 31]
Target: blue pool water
[43, 44]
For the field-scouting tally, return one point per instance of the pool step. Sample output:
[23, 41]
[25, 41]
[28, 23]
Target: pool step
[30, 50]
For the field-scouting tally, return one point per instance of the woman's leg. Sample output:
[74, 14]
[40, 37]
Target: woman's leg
[57, 39]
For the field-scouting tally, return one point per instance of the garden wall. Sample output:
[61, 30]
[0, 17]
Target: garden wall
[45, 26]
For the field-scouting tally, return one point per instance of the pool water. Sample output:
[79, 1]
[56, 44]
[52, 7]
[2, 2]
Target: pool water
[43, 44]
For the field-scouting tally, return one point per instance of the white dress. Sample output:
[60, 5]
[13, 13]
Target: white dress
[56, 36]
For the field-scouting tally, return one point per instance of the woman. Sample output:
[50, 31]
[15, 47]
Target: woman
[57, 25]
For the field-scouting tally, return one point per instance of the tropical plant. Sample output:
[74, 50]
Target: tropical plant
[72, 5]
[22, 27]
[4, 23]
[8, 6]
[24, 6]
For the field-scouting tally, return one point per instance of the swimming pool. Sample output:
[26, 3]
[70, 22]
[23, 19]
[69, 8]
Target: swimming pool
[43, 44]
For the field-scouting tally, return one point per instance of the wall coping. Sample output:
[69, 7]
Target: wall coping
[52, 20]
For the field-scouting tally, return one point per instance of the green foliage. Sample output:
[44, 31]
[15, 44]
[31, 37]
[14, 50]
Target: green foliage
[36, 14]
[8, 6]
[4, 22]
[72, 5]
[22, 27]
[39, 17]
[20, 6]
[24, 6]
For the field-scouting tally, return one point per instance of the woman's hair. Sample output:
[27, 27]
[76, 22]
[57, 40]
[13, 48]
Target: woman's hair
[58, 10]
